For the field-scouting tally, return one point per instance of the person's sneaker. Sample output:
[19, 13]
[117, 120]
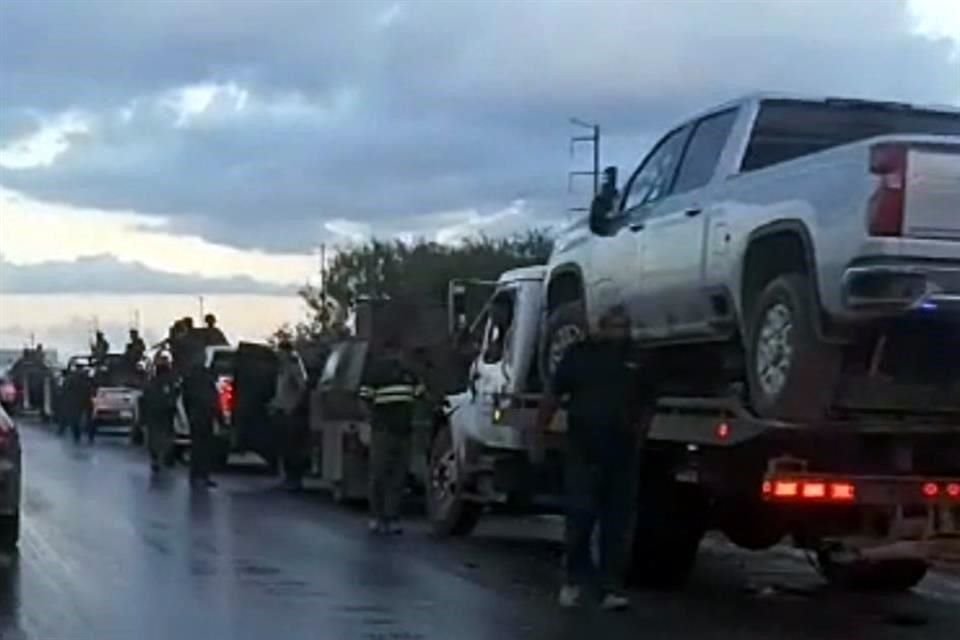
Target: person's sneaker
[569, 596]
[614, 602]
[393, 529]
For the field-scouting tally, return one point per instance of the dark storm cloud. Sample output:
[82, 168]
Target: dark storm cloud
[378, 111]
[105, 274]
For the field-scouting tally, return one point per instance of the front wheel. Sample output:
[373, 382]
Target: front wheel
[450, 514]
[792, 374]
[566, 325]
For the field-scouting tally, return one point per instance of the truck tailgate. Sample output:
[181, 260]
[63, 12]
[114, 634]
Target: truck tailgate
[932, 199]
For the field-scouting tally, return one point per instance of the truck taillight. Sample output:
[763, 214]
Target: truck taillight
[809, 491]
[886, 208]
[227, 398]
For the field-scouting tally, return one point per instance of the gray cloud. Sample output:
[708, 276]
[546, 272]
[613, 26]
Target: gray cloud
[446, 106]
[106, 274]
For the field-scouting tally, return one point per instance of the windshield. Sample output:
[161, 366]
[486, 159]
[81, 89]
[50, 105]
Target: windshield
[789, 129]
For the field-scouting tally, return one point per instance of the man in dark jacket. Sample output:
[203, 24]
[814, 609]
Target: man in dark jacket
[200, 404]
[611, 395]
[391, 388]
[159, 404]
[287, 415]
[78, 401]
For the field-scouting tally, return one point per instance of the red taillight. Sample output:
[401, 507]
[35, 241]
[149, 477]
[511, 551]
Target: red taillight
[931, 489]
[889, 162]
[226, 397]
[809, 491]
[723, 431]
[953, 490]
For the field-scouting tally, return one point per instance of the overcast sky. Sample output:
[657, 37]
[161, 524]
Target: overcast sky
[223, 141]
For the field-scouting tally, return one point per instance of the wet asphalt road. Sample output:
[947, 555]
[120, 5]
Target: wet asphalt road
[108, 553]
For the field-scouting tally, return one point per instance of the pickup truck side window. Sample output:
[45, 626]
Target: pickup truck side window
[703, 152]
[498, 328]
[654, 178]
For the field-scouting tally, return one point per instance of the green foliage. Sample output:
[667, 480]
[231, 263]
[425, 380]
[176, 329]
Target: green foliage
[423, 269]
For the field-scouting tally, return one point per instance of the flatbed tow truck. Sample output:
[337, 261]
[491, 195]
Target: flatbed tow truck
[871, 498]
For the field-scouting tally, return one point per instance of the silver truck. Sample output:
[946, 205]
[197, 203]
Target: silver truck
[873, 499]
[803, 251]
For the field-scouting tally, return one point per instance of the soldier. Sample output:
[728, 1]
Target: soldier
[212, 335]
[391, 389]
[77, 401]
[135, 349]
[100, 347]
[200, 403]
[159, 406]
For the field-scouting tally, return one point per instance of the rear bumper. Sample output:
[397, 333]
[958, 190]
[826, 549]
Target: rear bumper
[894, 288]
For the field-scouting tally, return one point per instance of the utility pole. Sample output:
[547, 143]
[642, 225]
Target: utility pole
[323, 288]
[200, 298]
[594, 140]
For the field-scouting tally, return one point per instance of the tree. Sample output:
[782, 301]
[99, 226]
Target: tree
[422, 268]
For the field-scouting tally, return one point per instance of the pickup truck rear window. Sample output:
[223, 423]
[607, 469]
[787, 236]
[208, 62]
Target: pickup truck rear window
[789, 129]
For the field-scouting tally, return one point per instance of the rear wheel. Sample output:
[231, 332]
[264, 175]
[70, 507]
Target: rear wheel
[891, 576]
[9, 531]
[450, 514]
[667, 536]
[791, 373]
[566, 325]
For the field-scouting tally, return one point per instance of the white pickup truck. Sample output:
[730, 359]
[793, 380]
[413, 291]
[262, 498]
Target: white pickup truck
[806, 251]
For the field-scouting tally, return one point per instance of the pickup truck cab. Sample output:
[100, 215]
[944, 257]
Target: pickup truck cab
[805, 250]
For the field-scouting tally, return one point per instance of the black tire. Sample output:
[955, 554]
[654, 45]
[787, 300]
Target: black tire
[9, 532]
[804, 388]
[667, 535]
[565, 321]
[888, 576]
[450, 514]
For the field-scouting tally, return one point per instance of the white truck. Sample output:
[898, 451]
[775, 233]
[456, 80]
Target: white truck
[806, 251]
[872, 498]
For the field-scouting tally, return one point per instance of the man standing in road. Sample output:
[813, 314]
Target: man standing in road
[610, 398]
[159, 406]
[286, 409]
[391, 388]
[200, 404]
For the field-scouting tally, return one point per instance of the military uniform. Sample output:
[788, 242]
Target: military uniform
[392, 389]
[159, 404]
[200, 403]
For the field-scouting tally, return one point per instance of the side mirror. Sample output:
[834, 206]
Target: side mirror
[604, 202]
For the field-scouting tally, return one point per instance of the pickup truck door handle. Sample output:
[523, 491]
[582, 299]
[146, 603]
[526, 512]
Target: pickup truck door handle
[636, 226]
[693, 213]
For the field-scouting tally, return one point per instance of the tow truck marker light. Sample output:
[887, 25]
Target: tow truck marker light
[931, 489]
[723, 431]
[814, 490]
[785, 489]
[843, 491]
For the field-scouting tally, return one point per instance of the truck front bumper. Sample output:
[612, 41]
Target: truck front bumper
[896, 288]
